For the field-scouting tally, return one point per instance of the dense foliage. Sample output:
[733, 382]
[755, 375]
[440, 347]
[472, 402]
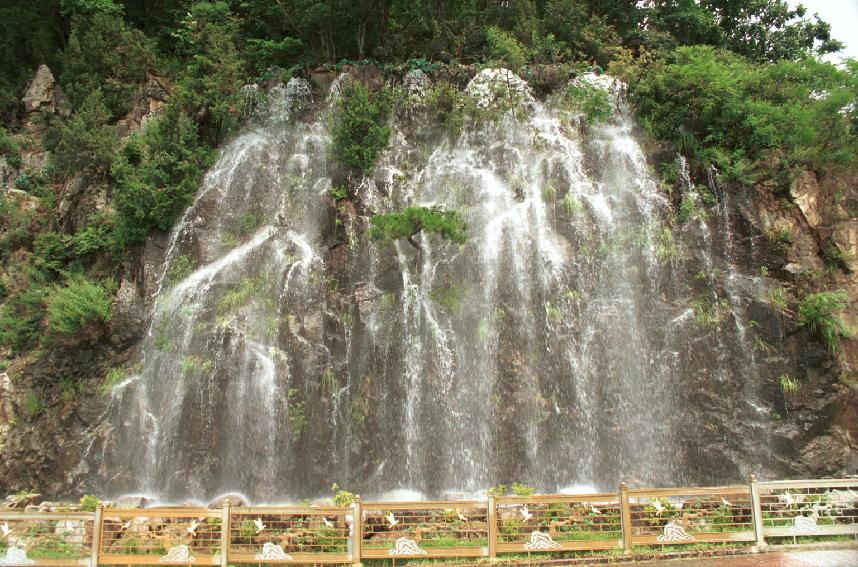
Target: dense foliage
[111, 43]
[358, 129]
[720, 108]
[412, 220]
[731, 83]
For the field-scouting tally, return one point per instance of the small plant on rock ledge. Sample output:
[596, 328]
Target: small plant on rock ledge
[821, 313]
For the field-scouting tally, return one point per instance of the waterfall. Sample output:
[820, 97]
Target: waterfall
[287, 351]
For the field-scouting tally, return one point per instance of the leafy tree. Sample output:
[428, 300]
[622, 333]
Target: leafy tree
[504, 47]
[103, 53]
[358, 130]
[86, 142]
[410, 221]
[717, 107]
[766, 30]
[209, 88]
[156, 177]
[587, 35]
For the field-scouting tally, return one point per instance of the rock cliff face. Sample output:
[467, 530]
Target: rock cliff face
[704, 287]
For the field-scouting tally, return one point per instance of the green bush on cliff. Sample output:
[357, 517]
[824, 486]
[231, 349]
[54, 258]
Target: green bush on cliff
[85, 143]
[821, 313]
[77, 304]
[156, 177]
[592, 101]
[503, 46]
[719, 108]
[21, 318]
[358, 130]
[10, 148]
[412, 220]
[104, 53]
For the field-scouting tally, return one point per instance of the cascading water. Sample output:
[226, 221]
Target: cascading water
[287, 351]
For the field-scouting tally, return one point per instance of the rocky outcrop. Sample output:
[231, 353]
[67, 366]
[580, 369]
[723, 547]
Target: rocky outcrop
[7, 409]
[150, 100]
[128, 314]
[44, 94]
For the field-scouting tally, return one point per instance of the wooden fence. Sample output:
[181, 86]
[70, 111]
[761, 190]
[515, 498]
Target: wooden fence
[442, 529]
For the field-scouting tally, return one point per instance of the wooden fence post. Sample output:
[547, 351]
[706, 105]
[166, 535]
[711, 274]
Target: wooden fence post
[492, 520]
[97, 524]
[757, 512]
[357, 530]
[224, 534]
[626, 517]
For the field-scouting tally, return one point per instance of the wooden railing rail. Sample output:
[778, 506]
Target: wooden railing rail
[543, 523]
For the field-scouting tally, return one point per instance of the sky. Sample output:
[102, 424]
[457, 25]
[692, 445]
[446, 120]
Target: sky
[843, 17]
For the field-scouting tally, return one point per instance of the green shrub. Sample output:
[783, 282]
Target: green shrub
[342, 498]
[33, 404]
[522, 490]
[358, 132]
[51, 251]
[412, 220]
[86, 142]
[78, 303]
[588, 99]
[180, 268]
[719, 108]
[504, 47]
[10, 148]
[103, 53]
[113, 378]
[821, 313]
[88, 503]
[21, 318]
[156, 177]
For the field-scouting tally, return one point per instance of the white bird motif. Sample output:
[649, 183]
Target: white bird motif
[595, 510]
[725, 503]
[193, 528]
[658, 507]
[327, 522]
[259, 525]
[461, 517]
[790, 499]
[391, 519]
[4, 527]
[525, 513]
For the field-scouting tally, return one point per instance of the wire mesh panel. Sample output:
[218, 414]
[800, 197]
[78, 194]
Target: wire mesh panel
[45, 538]
[670, 516]
[809, 508]
[424, 529]
[290, 535]
[558, 523]
[166, 536]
